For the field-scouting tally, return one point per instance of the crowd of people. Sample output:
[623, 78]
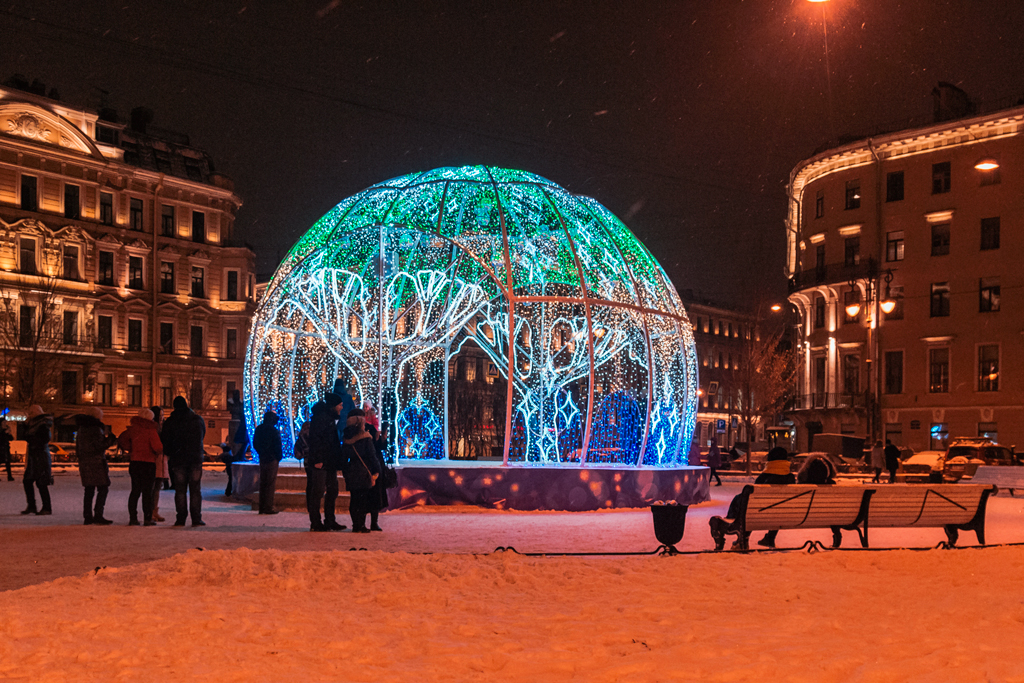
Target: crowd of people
[338, 438]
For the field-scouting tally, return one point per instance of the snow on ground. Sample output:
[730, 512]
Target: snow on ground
[301, 607]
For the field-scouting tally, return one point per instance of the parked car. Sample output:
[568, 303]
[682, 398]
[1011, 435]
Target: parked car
[924, 466]
[62, 452]
[965, 455]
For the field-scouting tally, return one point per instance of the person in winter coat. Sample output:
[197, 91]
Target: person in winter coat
[877, 461]
[817, 470]
[715, 461]
[5, 447]
[92, 439]
[378, 494]
[38, 461]
[892, 460]
[776, 471]
[361, 468]
[266, 441]
[322, 463]
[142, 442]
[182, 435]
[161, 466]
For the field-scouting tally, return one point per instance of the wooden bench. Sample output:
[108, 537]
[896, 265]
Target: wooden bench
[954, 507]
[794, 506]
[1003, 477]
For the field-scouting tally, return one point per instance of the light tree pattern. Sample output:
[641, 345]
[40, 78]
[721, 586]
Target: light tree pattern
[386, 288]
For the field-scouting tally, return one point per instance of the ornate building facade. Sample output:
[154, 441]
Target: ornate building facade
[900, 249]
[120, 284]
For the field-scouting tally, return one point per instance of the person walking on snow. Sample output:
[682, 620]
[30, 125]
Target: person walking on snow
[266, 441]
[183, 436]
[142, 442]
[715, 461]
[892, 460]
[92, 439]
[877, 461]
[38, 461]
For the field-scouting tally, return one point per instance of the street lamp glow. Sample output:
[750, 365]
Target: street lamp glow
[888, 306]
[776, 308]
[988, 164]
[853, 309]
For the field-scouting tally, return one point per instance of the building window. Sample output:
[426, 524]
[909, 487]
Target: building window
[69, 387]
[989, 430]
[851, 374]
[105, 276]
[894, 372]
[198, 226]
[988, 367]
[106, 208]
[166, 337]
[166, 277]
[196, 341]
[232, 285]
[134, 335]
[819, 312]
[820, 267]
[232, 343]
[894, 186]
[167, 227]
[940, 239]
[851, 251]
[819, 376]
[938, 371]
[989, 233]
[27, 255]
[135, 390]
[990, 177]
[135, 279]
[70, 328]
[894, 246]
[106, 134]
[819, 204]
[69, 265]
[29, 193]
[72, 201]
[195, 398]
[852, 194]
[897, 312]
[26, 326]
[166, 392]
[988, 294]
[940, 178]
[198, 277]
[135, 208]
[163, 160]
[940, 300]
[105, 331]
[850, 297]
[939, 434]
[104, 388]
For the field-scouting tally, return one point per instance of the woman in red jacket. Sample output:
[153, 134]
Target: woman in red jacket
[142, 441]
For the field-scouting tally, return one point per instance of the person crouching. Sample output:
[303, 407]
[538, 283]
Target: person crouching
[360, 468]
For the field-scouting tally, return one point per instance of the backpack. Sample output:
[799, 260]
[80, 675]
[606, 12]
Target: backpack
[302, 443]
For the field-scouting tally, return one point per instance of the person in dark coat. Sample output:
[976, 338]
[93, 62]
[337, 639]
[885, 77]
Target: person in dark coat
[892, 460]
[38, 461]
[266, 441]
[182, 435]
[379, 494]
[776, 471]
[715, 461]
[322, 464]
[360, 467]
[92, 439]
[817, 470]
[5, 447]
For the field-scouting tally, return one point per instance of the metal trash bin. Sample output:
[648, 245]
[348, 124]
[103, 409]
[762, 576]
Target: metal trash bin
[669, 524]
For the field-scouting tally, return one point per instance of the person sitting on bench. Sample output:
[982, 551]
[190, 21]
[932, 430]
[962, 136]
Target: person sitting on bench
[776, 471]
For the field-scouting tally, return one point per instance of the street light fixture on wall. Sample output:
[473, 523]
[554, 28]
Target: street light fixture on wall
[888, 304]
[986, 164]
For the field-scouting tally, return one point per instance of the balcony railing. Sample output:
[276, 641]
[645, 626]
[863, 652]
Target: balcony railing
[828, 401]
[833, 273]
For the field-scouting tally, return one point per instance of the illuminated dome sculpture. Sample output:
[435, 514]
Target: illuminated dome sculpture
[387, 288]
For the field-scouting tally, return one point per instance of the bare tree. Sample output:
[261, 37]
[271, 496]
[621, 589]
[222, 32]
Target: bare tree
[764, 379]
[31, 339]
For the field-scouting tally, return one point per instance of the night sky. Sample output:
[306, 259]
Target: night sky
[684, 118]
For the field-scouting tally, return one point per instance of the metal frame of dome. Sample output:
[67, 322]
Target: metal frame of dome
[576, 314]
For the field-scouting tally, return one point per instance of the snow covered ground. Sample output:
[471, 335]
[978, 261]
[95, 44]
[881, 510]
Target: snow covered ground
[267, 600]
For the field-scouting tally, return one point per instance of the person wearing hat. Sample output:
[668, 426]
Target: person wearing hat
[142, 442]
[38, 463]
[182, 435]
[360, 467]
[322, 464]
[266, 441]
[5, 447]
[92, 439]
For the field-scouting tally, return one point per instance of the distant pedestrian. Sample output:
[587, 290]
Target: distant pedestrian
[240, 435]
[5, 447]
[322, 463]
[183, 436]
[715, 461]
[92, 439]
[142, 442]
[347, 403]
[877, 461]
[162, 474]
[38, 461]
[266, 441]
[228, 457]
[371, 416]
[892, 460]
[361, 469]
